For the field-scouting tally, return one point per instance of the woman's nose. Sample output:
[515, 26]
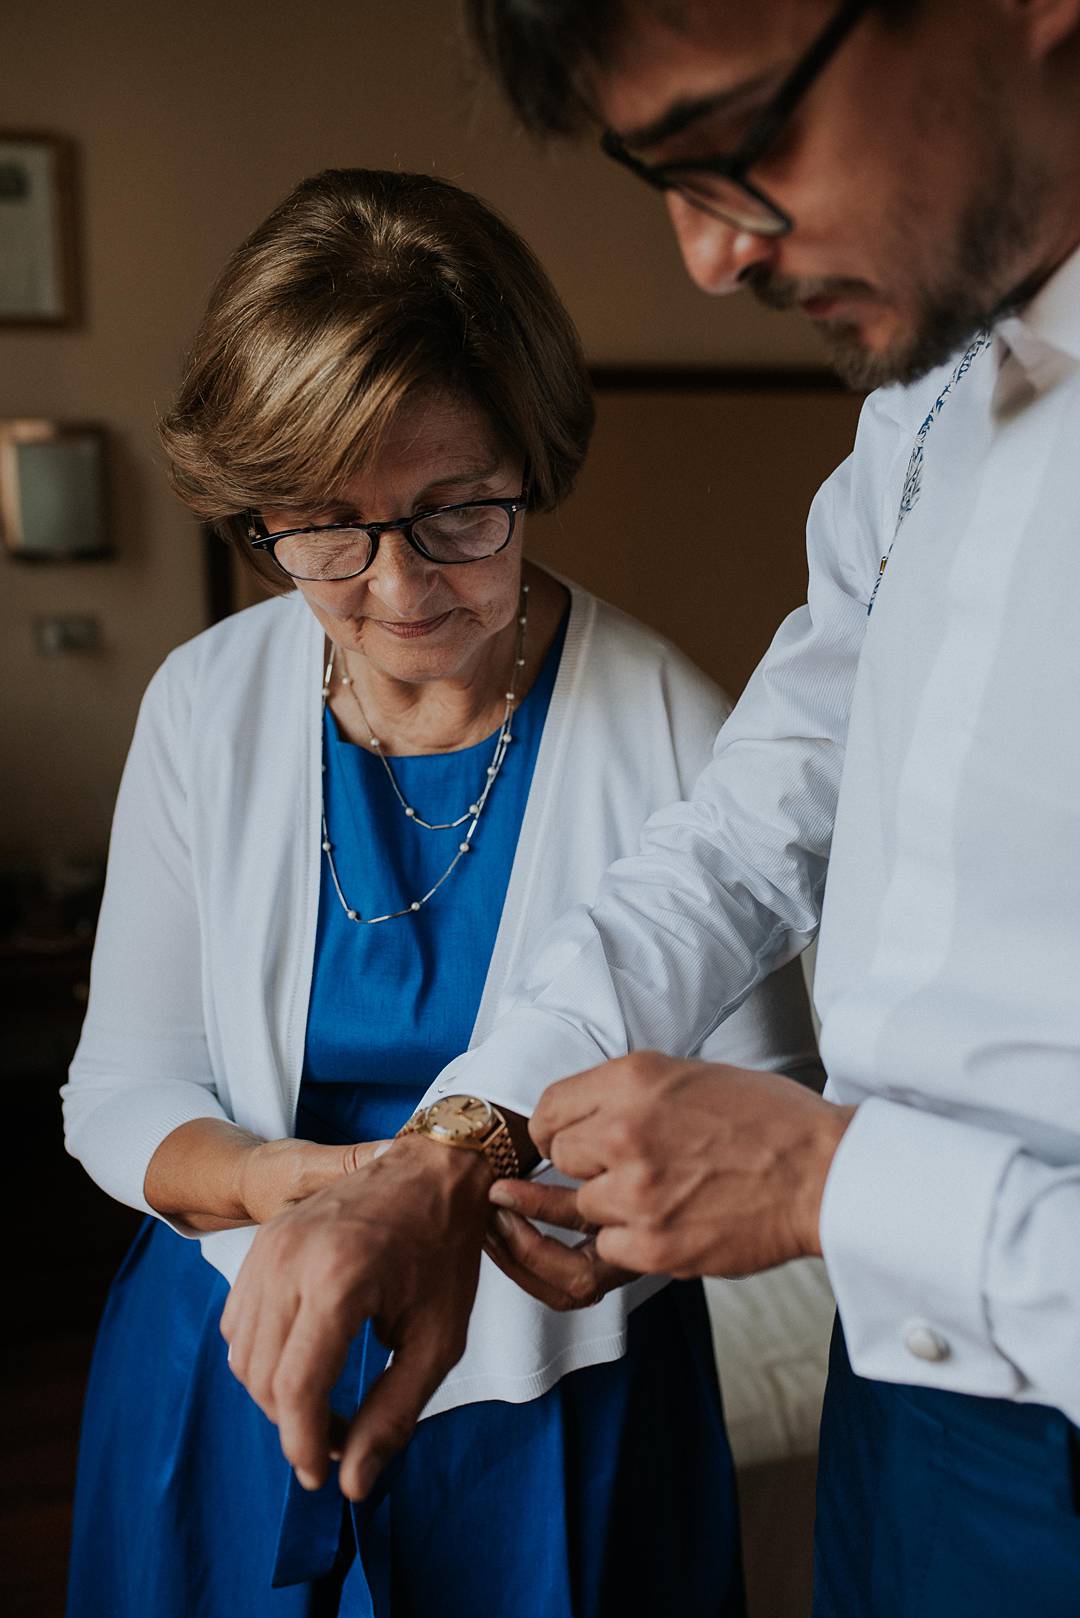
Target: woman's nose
[716, 255]
[399, 576]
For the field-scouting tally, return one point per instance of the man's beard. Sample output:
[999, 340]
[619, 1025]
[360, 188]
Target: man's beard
[981, 281]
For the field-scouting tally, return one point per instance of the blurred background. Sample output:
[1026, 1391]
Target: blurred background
[181, 128]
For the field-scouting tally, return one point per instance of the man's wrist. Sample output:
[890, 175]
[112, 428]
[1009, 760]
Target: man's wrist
[528, 1155]
[472, 1123]
[834, 1120]
[457, 1163]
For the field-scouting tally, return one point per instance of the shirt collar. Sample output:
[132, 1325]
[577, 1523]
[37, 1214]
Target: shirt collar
[1047, 331]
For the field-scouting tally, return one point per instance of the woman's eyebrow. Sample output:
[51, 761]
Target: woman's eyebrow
[690, 109]
[467, 472]
[470, 472]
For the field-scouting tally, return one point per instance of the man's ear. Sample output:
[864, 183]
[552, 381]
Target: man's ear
[1045, 24]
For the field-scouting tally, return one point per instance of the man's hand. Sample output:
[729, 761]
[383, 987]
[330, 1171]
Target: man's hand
[693, 1168]
[562, 1277]
[398, 1242]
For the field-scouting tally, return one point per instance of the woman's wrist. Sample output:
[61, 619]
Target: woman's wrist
[195, 1176]
[212, 1175]
[275, 1174]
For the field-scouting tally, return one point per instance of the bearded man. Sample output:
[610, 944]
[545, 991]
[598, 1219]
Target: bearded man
[907, 173]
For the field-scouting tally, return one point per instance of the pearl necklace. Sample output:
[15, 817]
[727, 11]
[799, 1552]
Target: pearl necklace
[472, 814]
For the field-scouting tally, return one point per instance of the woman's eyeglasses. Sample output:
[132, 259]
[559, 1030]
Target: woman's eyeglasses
[448, 535]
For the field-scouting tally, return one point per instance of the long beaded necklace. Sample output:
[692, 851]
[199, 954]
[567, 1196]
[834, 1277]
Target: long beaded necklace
[474, 811]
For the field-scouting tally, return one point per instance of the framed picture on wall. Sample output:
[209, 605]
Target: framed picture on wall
[37, 231]
[53, 505]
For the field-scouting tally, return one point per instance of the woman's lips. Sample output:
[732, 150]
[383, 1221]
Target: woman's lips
[411, 629]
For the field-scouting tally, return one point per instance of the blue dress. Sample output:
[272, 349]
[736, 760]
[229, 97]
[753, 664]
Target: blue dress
[611, 1494]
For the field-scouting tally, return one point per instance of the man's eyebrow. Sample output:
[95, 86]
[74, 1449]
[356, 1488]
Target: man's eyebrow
[686, 111]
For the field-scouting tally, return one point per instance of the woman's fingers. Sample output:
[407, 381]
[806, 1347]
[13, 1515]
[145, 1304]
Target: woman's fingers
[362, 1152]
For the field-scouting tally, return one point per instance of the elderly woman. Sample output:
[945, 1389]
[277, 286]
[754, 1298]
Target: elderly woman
[346, 815]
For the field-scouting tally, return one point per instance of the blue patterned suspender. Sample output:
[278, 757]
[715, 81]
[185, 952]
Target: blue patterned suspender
[913, 480]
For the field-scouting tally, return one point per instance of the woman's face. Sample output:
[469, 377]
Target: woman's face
[414, 620]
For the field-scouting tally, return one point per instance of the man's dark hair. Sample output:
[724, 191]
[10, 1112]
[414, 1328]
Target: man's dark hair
[541, 51]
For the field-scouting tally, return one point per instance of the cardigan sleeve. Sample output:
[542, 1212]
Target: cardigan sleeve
[142, 1066]
[727, 884]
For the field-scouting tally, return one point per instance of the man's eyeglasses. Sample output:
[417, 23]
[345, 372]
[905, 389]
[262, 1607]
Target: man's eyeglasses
[449, 535]
[718, 185]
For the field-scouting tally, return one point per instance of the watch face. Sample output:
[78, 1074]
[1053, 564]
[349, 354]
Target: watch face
[463, 1118]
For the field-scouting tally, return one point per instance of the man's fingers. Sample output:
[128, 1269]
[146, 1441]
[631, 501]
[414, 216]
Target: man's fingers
[552, 1204]
[385, 1421]
[610, 1198]
[546, 1256]
[642, 1251]
[536, 1287]
[256, 1357]
[306, 1370]
[564, 1103]
[581, 1150]
[232, 1315]
[560, 1276]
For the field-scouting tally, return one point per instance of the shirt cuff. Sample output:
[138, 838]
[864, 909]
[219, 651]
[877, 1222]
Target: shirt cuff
[524, 1053]
[906, 1219]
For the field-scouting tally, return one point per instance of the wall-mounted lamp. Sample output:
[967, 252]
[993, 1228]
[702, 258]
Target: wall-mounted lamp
[53, 505]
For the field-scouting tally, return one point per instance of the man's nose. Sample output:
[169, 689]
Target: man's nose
[716, 256]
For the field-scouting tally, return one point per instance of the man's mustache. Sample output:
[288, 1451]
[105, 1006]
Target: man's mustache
[791, 292]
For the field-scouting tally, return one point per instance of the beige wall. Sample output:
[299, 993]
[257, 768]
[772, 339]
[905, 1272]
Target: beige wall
[688, 512]
[190, 122]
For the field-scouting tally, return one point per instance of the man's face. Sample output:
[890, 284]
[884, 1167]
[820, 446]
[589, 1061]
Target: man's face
[917, 204]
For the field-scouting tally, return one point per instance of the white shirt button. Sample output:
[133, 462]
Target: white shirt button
[924, 1342]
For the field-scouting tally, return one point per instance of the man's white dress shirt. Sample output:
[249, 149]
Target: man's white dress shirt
[924, 758]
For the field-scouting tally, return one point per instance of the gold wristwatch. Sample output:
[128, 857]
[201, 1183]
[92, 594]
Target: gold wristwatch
[471, 1123]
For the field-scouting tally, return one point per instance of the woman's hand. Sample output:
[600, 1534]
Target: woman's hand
[564, 1277]
[277, 1174]
[213, 1175]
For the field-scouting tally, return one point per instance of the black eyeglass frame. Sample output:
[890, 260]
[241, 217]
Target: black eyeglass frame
[267, 543]
[734, 166]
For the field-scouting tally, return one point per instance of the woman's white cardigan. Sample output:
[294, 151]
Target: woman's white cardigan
[203, 963]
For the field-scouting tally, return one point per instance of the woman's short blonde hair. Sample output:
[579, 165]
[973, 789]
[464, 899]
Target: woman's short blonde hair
[363, 289]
